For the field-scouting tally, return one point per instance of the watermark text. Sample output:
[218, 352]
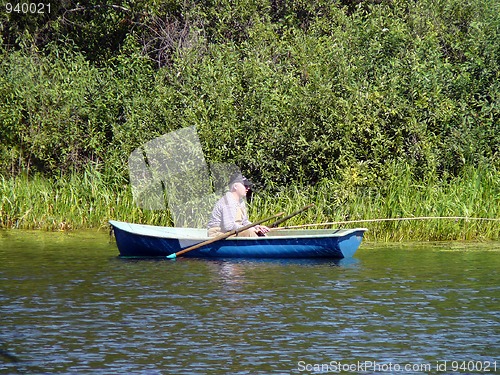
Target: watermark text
[385, 367]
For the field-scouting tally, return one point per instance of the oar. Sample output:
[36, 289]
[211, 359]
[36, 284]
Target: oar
[222, 236]
[282, 220]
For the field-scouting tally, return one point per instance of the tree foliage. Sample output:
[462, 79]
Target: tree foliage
[291, 91]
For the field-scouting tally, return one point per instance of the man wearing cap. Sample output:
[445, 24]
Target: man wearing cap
[230, 211]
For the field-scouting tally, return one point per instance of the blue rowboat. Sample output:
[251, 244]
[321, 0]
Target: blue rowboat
[137, 240]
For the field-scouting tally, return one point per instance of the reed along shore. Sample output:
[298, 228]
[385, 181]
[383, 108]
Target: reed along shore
[87, 202]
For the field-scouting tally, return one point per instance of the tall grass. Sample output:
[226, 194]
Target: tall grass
[89, 201]
[475, 194]
[77, 201]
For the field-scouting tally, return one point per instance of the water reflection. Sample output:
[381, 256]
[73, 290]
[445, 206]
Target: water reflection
[8, 357]
[293, 261]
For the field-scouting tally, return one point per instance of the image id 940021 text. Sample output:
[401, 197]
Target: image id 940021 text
[28, 8]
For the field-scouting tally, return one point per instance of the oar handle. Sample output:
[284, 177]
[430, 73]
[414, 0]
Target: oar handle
[222, 236]
[282, 220]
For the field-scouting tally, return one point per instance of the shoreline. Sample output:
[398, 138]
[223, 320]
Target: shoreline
[376, 234]
[367, 244]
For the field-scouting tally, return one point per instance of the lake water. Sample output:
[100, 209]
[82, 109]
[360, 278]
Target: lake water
[69, 305]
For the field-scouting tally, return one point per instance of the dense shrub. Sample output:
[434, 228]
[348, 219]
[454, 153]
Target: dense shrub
[294, 92]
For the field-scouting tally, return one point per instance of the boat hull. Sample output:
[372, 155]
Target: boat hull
[149, 241]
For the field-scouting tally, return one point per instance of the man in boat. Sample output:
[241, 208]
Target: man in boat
[230, 211]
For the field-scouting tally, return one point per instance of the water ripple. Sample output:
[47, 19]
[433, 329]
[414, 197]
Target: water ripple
[102, 315]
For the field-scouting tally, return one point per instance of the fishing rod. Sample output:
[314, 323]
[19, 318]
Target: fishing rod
[389, 219]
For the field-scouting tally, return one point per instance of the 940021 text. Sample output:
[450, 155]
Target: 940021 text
[28, 8]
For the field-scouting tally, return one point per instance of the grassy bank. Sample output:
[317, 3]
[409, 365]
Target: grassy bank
[69, 203]
[88, 201]
[475, 194]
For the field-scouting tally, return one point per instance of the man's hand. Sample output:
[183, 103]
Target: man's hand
[261, 230]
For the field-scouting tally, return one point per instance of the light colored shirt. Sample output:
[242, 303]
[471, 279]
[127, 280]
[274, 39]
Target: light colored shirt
[224, 214]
